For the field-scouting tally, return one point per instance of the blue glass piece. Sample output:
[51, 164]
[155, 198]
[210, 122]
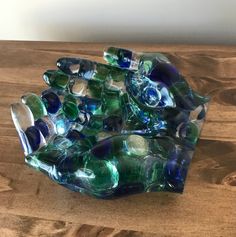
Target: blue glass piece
[151, 96]
[42, 126]
[51, 101]
[87, 69]
[62, 124]
[118, 57]
[124, 58]
[69, 66]
[165, 73]
[33, 135]
[75, 135]
[89, 104]
[176, 171]
[102, 149]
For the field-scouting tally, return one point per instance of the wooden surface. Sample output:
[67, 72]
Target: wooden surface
[32, 205]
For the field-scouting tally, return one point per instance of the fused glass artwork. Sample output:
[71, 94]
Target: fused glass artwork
[126, 126]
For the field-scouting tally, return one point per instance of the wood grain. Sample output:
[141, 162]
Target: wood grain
[32, 205]
[16, 225]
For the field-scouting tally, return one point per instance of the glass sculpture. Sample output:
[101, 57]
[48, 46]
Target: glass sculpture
[108, 130]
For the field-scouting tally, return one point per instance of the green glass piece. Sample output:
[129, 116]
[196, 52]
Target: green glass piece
[95, 88]
[129, 164]
[70, 110]
[192, 132]
[70, 98]
[103, 175]
[111, 104]
[102, 72]
[147, 66]
[106, 72]
[136, 163]
[56, 79]
[153, 174]
[50, 155]
[118, 74]
[200, 100]
[111, 56]
[47, 155]
[94, 125]
[130, 170]
[35, 104]
[46, 160]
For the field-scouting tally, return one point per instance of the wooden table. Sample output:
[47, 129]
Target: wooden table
[32, 205]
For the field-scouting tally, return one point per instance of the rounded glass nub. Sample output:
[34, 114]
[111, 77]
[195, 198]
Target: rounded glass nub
[35, 104]
[56, 79]
[87, 69]
[22, 116]
[51, 101]
[31, 136]
[69, 66]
